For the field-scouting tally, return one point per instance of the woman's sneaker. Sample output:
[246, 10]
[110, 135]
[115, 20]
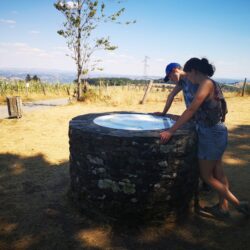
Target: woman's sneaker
[217, 212]
[243, 208]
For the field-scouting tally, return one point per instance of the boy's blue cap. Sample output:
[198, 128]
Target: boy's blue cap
[169, 69]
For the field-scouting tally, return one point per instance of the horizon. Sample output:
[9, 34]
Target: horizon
[49, 72]
[199, 30]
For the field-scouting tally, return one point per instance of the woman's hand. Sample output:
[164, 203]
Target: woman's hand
[165, 136]
[173, 117]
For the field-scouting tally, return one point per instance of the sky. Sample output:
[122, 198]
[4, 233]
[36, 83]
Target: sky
[165, 31]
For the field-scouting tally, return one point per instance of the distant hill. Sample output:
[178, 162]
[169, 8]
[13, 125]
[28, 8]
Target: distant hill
[228, 81]
[53, 76]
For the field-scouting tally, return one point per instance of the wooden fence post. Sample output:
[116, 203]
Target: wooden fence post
[68, 91]
[243, 87]
[100, 85]
[43, 88]
[146, 91]
[107, 88]
[14, 105]
[128, 86]
[57, 88]
[27, 88]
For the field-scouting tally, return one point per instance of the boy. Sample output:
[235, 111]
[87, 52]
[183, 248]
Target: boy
[175, 73]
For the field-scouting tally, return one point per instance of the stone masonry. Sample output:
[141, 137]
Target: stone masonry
[129, 174]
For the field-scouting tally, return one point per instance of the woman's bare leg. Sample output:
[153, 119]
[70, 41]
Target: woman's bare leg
[207, 169]
[220, 176]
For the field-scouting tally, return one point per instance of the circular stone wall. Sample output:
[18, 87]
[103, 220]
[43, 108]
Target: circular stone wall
[128, 173]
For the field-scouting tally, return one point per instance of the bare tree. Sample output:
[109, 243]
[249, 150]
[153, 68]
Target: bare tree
[82, 18]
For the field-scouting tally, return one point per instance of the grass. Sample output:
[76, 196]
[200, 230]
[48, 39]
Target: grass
[34, 91]
[35, 212]
[114, 95]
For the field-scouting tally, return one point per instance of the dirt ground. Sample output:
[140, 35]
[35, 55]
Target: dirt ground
[35, 212]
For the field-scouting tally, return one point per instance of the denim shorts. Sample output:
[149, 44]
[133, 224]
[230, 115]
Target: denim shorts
[212, 141]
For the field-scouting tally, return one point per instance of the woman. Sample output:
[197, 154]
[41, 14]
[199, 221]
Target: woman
[207, 109]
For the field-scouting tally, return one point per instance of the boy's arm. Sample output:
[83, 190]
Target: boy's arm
[170, 98]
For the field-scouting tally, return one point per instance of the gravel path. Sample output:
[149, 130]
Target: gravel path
[30, 106]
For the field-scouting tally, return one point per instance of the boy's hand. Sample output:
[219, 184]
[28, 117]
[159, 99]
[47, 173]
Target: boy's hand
[158, 113]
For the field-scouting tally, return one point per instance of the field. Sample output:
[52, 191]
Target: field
[33, 90]
[35, 212]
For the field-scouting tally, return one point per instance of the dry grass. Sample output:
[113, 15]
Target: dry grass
[36, 214]
[34, 97]
[126, 95]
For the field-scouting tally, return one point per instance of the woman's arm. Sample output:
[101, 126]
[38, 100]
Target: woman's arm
[202, 93]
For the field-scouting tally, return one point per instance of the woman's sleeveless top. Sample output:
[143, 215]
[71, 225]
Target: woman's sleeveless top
[212, 111]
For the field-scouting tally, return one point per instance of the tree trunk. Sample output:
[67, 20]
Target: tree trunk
[79, 88]
[79, 68]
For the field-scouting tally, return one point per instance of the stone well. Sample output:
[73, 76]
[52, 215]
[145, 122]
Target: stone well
[123, 172]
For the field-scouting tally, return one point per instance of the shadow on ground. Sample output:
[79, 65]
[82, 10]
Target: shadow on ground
[36, 213]
[239, 146]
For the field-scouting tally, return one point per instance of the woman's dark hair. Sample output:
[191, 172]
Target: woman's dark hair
[201, 65]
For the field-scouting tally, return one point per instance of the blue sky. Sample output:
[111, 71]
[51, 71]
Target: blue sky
[166, 30]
